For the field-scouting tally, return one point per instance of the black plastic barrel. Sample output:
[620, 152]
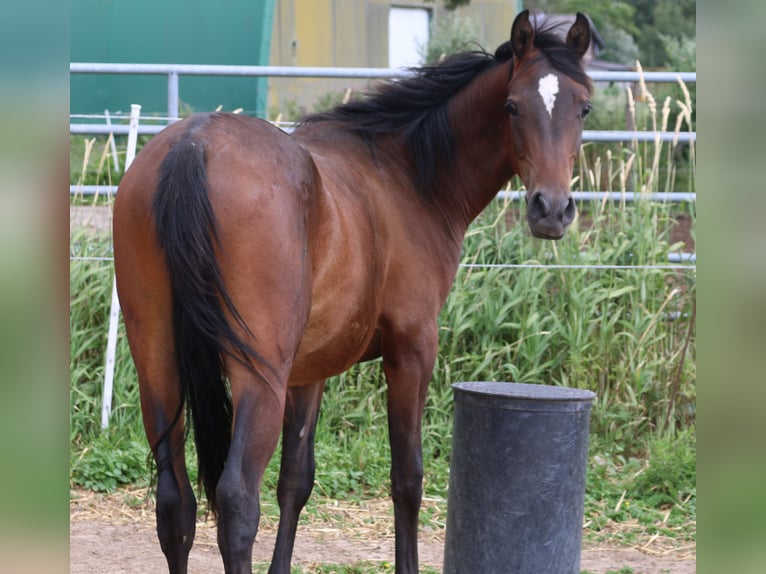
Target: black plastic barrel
[517, 479]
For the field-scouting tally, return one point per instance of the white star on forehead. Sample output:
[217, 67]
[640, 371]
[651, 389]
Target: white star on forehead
[548, 88]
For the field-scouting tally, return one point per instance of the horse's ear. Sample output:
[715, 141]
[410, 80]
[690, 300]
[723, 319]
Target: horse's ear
[578, 37]
[522, 35]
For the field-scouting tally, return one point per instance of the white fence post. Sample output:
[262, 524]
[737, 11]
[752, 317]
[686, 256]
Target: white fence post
[114, 312]
[111, 141]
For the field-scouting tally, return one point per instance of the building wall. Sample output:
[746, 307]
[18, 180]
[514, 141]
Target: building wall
[237, 32]
[348, 33]
[353, 33]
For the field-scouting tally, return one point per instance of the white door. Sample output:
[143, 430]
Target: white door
[407, 31]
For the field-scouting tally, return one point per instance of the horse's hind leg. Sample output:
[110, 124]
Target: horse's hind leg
[176, 505]
[258, 412]
[296, 472]
[161, 404]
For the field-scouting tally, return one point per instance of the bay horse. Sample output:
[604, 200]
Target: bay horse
[252, 265]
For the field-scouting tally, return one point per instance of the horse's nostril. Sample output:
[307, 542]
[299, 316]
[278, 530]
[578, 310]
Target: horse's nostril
[549, 205]
[539, 206]
[570, 210]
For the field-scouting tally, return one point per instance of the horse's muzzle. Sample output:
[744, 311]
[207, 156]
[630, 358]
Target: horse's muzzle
[550, 213]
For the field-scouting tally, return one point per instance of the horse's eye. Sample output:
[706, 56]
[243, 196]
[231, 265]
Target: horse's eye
[586, 110]
[511, 108]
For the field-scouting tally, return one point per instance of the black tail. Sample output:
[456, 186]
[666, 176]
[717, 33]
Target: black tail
[186, 230]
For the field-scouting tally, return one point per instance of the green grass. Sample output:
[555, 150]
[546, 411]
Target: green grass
[655, 493]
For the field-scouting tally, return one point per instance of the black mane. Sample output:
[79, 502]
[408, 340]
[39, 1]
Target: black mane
[415, 107]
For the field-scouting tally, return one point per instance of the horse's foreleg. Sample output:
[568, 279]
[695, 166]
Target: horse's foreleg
[408, 364]
[257, 419]
[296, 472]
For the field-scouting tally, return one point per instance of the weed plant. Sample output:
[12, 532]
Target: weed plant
[595, 311]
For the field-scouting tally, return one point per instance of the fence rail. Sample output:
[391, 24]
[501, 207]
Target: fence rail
[628, 196]
[328, 72]
[587, 135]
[174, 71]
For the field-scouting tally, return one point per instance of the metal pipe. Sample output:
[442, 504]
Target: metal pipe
[661, 77]
[329, 72]
[119, 129]
[682, 257]
[641, 136]
[629, 196]
[670, 197]
[172, 96]
[255, 71]
[588, 135]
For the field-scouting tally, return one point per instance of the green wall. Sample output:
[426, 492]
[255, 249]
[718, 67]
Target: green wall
[231, 32]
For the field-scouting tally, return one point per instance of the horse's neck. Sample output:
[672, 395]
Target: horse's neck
[482, 161]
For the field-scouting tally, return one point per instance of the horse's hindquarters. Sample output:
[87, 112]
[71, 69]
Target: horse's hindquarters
[211, 261]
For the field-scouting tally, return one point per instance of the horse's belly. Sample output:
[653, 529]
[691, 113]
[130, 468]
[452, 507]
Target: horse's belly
[333, 342]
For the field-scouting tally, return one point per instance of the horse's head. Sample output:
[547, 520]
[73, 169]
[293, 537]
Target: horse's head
[548, 97]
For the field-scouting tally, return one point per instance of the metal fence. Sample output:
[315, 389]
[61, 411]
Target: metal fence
[151, 124]
[174, 71]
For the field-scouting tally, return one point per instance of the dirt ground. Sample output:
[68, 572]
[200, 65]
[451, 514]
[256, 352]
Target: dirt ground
[115, 534]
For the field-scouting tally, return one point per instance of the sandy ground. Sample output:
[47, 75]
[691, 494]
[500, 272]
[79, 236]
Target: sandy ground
[110, 536]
